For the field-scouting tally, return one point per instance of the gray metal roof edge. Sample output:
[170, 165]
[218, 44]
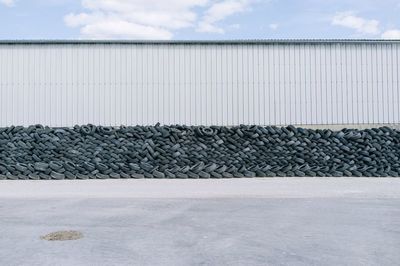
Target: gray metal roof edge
[255, 41]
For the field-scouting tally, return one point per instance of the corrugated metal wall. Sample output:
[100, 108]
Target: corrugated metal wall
[199, 84]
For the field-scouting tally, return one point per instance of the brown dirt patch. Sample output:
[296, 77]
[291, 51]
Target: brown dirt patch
[62, 236]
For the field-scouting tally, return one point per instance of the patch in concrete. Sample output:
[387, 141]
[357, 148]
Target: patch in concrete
[62, 236]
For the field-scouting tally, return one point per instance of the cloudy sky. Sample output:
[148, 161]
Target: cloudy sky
[199, 19]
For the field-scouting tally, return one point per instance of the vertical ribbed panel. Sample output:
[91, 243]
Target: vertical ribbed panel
[199, 84]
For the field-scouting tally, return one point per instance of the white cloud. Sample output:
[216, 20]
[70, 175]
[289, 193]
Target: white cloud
[137, 19]
[391, 34]
[234, 26]
[8, 3]
[121, 29]
[273, 26]
[219, 11]
[152, 19]
[361, 25]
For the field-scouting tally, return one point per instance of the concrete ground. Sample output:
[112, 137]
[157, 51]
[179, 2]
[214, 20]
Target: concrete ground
[279, 221]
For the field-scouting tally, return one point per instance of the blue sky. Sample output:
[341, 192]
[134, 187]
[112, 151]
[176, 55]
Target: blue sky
[199, 19]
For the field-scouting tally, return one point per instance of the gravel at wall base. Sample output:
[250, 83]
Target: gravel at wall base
[89, 151]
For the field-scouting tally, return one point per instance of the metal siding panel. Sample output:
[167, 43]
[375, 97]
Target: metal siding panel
[140, 85]
[3, 84]
[115, 89]
[376, 83]
[229, 91]
[385, 102]
[332, 86]
[365, 87]
[217, 101]
[131, 77]
[225, 69]
[262, 100]
[235, 86]
[275, 84]
[309, 86]
[7, 92]
[224, 84]
[295, 84]
[339, 84]
[312, 85]
[268, 83]
[16, 85]
[121, 85]
[344, 91]
[317, 84]
[208, 104]
[240, 75]
[80, 86]
[248, 89]
[287, 95]
[160, 91]
[358, 85]
[323, 84]
[396, 82]
[250, 84]
[149, 86]
[371, 84]
[354, 85]
[256, 84]
[281, 89]
[398, 79]
[179, 83]
[347, 90]
[17, 96]
[199, 77]
[342, 113]
[159, 64]
[199, 89]
[364, 83]
[292, 84]
[187, 85]
[191, 58]
[302, 86]
[389, 71]
[97, 83]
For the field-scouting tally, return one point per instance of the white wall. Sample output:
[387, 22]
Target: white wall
[193, 84]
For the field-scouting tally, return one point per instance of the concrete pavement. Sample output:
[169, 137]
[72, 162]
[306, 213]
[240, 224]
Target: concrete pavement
[282, 221]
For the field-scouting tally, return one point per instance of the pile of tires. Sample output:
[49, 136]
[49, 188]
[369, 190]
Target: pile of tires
[97, 152]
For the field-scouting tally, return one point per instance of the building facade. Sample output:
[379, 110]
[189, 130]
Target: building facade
[277, 82]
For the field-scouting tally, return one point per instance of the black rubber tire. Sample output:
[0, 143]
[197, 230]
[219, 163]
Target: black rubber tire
[125, 175]
[70, 166]
[82, 177]
[21, 167]
[41, 166]
[57, 176]
[86, 130]
[207, 131]
[101, 167]
[101, 176]
[158, 174]
[137, 176]
[89, 166]
[69, 175]
[44, 176]
[203, 174]
[33, 176]
[56, 166]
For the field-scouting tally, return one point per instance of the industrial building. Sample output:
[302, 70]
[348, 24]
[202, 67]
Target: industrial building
[263, 82]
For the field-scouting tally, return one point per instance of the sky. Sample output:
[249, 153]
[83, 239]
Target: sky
[199, 19]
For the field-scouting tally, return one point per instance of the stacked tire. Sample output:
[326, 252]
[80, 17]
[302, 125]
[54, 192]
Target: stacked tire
[96, 152]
